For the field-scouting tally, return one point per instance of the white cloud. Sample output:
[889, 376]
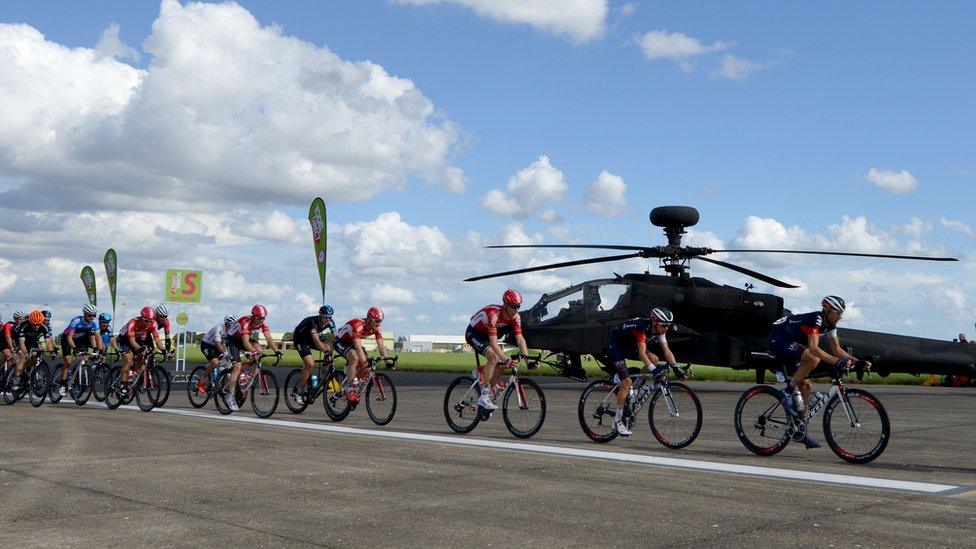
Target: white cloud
[228, 111]
[422, 318]
[438, 296]
[388, 293]
[111, 46]
[7, 278]
[956, 225]
[916, 228]
[605, 196]
[537, 185]
[277, 226]
[892, 181]
[580, 20]
[388, 246]
[676, 46]
[952, 301]
[736, 68]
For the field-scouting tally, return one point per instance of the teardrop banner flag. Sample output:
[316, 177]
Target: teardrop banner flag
[88, 279]
[316, 217]
[111, 273]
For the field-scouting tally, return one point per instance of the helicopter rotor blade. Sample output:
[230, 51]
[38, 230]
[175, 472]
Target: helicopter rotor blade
[749, 272]
[587, 246]
[556, 266]
[849, 254]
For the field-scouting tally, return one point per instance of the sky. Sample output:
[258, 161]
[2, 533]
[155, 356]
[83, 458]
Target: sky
[194, 135]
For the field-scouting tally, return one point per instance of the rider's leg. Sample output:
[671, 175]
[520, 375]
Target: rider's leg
[808, 361]
[309, 363]
[67, 365]
[352, 365]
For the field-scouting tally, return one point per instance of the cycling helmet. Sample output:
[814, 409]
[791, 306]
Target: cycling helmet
[834, 302]
[259, 310]
[147, 313]
[36, 318]
[105, 317]
[326, 310]
[47, 314]
[511, 297]
[162, 311]
[375, 313]
[89, 310]
[230, 319]
[662, 316]
[1, 319]
[19, 314]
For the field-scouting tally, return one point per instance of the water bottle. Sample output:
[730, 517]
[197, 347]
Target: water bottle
[213, 374]
[780, 377]
[798, 401]
[815, 400]
[315, 381]
[642, 392]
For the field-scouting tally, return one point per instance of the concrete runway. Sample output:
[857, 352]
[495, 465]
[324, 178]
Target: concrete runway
[90, 476]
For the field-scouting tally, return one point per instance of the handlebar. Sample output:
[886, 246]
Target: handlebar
[259, 359]
[390, 361]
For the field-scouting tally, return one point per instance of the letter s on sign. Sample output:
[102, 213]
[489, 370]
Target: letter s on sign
[190, 281]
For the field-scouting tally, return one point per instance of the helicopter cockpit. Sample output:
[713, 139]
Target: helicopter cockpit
[581, 301]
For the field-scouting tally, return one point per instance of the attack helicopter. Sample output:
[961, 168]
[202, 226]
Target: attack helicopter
[718, 325]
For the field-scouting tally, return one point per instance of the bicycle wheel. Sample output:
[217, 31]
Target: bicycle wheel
[80, 385]
[861, 437]
[165, 383]
[761, 422]
[597, 405]
[460, 408]
[196, 398]
[524, 416]
[14, 387]
[101, 379]
[147, 389]
[334, 398]
[675, 416]
[295, 399]
[39, 380]
[381, 399]
[221, 390]
[264, 394]
[54, 388]
[112, 387]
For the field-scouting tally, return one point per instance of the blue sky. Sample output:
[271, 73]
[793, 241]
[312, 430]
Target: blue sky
[813, 99]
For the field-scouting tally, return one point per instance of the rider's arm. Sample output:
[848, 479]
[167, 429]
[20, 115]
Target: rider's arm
[96, 342]
[319, 344]
[381, 346]
[642, 354]
[358, 345]
[22, 342]
[8, 333]
[668, 355]
[813, 345]
[523, 348]
[133, 343]
[270, 340]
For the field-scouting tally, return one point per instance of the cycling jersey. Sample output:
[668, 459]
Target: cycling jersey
[244, 326]
[33, 336]
[6, 330]
[310, 325]
[217, 333]
[357, 329]
[163, 324]
[491, 318]
[624, 339]
[796, 328]
[106, 334]
[80, 328]
[135, 328]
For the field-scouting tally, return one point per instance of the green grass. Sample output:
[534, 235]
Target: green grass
[460, 363]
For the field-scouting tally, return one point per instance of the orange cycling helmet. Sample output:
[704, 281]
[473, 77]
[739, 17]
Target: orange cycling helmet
[36, 318]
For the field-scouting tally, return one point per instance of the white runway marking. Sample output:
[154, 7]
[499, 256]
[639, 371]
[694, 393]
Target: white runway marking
[657, 461]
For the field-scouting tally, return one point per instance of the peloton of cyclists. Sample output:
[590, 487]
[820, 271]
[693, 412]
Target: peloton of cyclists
[482, 333]
[348, 343]
[636, 333]
[795, 341]
[242, 336]
[82, 333]
[133, 339]
[308, 336]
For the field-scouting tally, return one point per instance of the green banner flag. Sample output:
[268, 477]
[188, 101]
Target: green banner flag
[88, 279]
[316, 217]
[111, 273]
[182, 286]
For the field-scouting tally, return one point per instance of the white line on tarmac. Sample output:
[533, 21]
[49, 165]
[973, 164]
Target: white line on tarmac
[658, 461]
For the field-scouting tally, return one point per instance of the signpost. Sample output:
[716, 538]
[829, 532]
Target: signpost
[182, 286]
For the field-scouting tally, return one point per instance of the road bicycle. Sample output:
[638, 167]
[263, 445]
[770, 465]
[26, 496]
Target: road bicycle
[198, 398]
[254, 381]
[673, 409]
[78, 384]
[298, 399]
[33, 380]
[376, 390]
[855, 423]
[143, 384]
[523, 402]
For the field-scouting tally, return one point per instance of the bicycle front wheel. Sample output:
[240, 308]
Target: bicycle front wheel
[11, 394]
[524, 408]
[761, 422]
[596, 409]
[222, 388]
[113, 386]
[101, 379]
[197, 398]
[165, 383]
[296, 397]
[38, 383]
[264, 394]
[381, 399]
[675, 415]
[80, 386]
[54, 389]
[858, 430]
[460, 406]
[147, 389]
[334, 398]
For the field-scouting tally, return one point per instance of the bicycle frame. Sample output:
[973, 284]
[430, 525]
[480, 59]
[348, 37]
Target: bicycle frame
[512, 378]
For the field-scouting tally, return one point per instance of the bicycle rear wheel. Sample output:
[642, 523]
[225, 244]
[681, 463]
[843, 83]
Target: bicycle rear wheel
[39, 380]
[112, 387]
[861, 437]
[147, 389]
[264, 394]
[381, 399]
[80, 385]
[596, 409]
[198, 399]
[334, 398]
[296, 398]
[165, 383]
[761, 422]
[54, 389]
[101, 379]
[675, 417]
[222, 389]
[524, 417]
[460, 408]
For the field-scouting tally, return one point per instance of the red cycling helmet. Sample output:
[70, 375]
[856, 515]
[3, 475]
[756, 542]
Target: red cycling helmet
[147, 313]
[259, 310]
[511, 297]
[375, 313]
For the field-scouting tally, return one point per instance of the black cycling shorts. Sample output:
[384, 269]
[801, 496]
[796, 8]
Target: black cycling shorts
[479, 341]
[209, 351]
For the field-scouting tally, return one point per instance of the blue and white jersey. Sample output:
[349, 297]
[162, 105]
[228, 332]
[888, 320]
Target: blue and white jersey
[797, 328]
[106, 334]
[79, 328]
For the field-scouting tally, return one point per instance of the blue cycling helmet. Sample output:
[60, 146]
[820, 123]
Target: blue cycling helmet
[326, 310]
[47, 314]
[105, 317]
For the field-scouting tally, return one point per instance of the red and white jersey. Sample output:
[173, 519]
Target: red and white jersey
[492, 317]
[135, 327]
[244, 326]
[357, 329]
[163, 324]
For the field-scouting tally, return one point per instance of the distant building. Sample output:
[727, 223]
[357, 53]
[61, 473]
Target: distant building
[423, 343]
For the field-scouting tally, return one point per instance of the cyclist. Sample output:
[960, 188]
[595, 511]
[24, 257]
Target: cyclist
[162, 323]
[795, 342]
[241, 335]
[6, 340]
[213, 346]
[484, 329]
[81, 334]
[105, 332]
[30, 335]
[631, 334]
[47, 324]
[307, 336]
[348, 343]
[133, 336]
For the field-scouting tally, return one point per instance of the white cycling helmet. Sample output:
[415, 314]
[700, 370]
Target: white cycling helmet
[161, 310]
[230, 319]
[834, 302]
[89, 309]
[662, 315]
